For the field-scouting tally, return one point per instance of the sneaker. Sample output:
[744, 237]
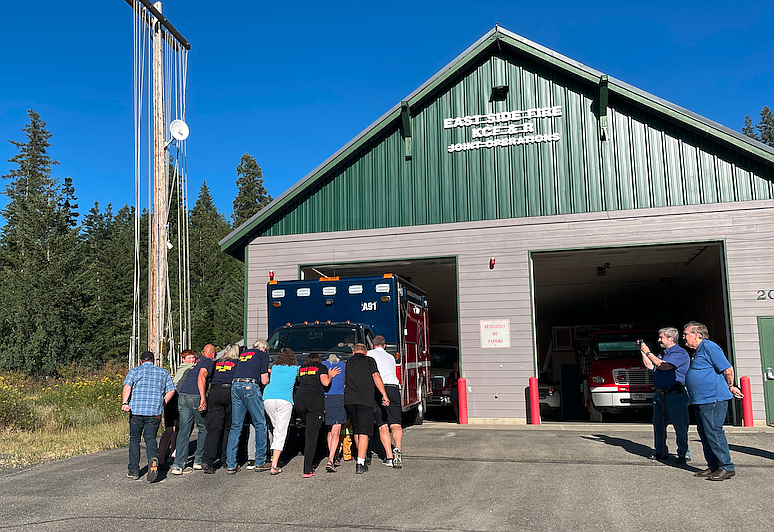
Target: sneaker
[310, 475]
[387, 462]
[250, 464]
[132, 477]
[153, 470]
[233, 471]
[175, 471]
[360, 469]
[682, 459]
[397, 458]
[265, 466]
[197, 467]
[208, 469]
[368, 461]
[188, 470]
[658, 456]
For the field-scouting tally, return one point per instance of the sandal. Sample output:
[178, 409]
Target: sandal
[330, 467]
[276, 470]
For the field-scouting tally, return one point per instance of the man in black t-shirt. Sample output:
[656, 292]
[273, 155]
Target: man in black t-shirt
[252, 370]
[361, 380]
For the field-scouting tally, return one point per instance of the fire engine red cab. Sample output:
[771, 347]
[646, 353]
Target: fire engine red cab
[616, 380]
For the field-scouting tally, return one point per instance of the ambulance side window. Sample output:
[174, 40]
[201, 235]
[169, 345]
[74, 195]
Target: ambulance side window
[369, 338]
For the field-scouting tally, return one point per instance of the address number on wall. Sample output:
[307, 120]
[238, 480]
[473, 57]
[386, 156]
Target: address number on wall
[763, 294]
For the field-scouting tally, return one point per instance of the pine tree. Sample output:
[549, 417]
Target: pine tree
[108, 243]
[765, 128]
[40, 319]
[251, 195]
[216, 303]
[749, 129]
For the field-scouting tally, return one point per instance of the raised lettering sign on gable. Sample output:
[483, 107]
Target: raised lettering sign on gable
[510, 128]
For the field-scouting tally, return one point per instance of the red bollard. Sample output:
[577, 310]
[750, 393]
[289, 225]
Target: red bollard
[747, 414]
[462, 399]
[534, 401]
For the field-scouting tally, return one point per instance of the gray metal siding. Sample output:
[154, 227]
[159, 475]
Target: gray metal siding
[747, 228]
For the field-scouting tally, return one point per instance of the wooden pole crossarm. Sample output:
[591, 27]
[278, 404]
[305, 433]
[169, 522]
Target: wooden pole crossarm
[164, 22]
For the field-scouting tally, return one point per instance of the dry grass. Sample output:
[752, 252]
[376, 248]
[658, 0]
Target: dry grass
[19, 448]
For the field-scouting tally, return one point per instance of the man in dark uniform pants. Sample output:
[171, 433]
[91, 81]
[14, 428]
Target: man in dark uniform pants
[361, 380]
[670, 404]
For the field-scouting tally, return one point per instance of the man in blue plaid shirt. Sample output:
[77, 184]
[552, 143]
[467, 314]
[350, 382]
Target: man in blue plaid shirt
[147, 389]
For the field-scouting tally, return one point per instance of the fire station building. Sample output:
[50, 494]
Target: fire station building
[536, 200]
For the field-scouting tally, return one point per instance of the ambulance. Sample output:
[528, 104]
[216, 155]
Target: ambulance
[331, 314]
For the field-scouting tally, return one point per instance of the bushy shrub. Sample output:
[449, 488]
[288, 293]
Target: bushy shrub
[16, 411]
[62, 403]
[73, 403]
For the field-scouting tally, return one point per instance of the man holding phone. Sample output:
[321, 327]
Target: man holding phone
[670, 403]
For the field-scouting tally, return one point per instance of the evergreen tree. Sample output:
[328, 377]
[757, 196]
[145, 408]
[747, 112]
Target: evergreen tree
[251, 195]
[765, 128]
[40, 319]
[749, 129]
[228, 315]
[216, 303]
[108, 243]
[69, 205]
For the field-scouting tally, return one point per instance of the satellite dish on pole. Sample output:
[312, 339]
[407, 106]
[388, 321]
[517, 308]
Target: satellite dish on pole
[179, 129]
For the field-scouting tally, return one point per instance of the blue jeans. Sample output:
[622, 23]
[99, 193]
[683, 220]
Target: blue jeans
[147, 427]
[709, 423]
[188, 406]
[246, 397]
[675, 411]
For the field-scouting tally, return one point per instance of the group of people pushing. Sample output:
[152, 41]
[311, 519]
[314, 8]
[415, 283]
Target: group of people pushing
[241, 382]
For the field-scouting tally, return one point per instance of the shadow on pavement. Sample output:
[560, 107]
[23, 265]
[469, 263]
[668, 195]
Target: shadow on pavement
[751, 451]
[638, 449]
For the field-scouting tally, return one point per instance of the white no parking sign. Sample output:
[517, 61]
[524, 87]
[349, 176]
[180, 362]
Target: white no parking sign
[495, 333]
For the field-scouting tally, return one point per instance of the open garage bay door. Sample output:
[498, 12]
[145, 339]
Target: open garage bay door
[437, 276]
[642, 288]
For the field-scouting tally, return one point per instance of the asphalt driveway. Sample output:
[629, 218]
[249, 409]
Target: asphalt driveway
[474, 478]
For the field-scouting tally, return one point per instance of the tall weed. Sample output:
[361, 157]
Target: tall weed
[58, 404]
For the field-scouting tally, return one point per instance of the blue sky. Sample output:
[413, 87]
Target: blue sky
[292, 82]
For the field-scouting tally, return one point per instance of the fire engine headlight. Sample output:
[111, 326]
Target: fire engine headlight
[598, 380]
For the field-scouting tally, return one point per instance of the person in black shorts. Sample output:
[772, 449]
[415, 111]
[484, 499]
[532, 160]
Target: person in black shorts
[335, 415]
[388, 418]
[361, 381]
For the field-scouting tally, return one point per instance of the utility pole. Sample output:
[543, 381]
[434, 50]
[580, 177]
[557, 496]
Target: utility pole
[160, 29]
[158, 269]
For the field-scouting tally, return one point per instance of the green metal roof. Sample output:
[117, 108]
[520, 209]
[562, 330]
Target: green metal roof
[635, 151]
